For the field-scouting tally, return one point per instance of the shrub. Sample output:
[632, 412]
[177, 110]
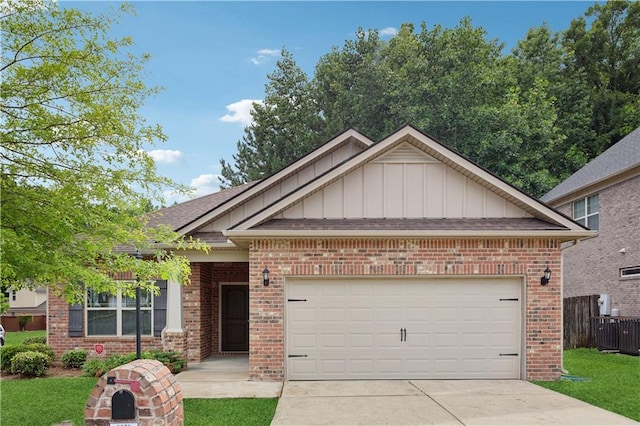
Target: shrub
[7, 353]
[96, 367]
[23, 320]
[36, 339]
[29, 364]
[74, 358]
[174, 361]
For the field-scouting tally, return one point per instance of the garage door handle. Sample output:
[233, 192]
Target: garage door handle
[403, 334]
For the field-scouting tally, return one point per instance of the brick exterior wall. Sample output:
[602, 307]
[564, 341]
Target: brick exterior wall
[200, 318]
[396, 257]
[201, 305]
[593, 265]
[59, 340]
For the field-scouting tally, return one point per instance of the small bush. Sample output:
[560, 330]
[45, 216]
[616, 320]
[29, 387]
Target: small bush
[23, 320]
[7, 353]
[29, 364]
[74, 358]
[96, 367]
[37, 339]
[174, 361]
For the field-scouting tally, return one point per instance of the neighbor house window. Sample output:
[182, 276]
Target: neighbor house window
[115, 315]
[586, 212]
[633, 271]
[13, 295]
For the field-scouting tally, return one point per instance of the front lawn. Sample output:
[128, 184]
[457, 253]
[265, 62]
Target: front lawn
[17, 337]
[46, 401]
[612, 380]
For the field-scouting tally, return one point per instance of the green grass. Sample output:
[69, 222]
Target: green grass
[613, 380]
[250, 412]
[17, 337]
[46, 401]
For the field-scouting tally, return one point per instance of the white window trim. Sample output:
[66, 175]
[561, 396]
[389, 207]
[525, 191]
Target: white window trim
[587, 213]
[118, 308]
[634, 275]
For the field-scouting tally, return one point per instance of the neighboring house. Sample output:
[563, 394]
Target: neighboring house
[605, 196]
[389, 260]
[27, 302]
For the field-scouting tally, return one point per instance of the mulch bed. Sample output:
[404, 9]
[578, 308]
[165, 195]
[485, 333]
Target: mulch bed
[55, 370]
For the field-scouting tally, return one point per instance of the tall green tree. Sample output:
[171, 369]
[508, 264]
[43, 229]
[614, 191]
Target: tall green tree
[75, 178]
[603, 51]
[286, 125]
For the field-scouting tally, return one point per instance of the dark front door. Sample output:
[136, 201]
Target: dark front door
[235, 318]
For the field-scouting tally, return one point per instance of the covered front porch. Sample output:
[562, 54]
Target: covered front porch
[212, 318]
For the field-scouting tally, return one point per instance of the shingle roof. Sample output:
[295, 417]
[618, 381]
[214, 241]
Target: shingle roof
[182, 214]
[498, 224]
[618, 158]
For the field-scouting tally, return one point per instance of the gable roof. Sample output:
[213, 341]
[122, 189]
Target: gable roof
[180, 215]
[619, 158]
[244, 193]
[255, 225]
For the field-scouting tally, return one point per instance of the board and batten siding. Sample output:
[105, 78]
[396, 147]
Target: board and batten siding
[283, 187]
[414, 185]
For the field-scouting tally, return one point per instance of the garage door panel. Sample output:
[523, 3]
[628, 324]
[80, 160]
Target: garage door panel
[452, 329]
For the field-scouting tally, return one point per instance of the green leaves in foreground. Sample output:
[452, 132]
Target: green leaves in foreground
[75, 177]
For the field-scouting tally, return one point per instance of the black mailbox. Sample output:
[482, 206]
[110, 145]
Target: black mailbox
[123, 405]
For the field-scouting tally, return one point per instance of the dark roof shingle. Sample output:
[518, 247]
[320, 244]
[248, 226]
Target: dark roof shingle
[619, 157]
[179, 215]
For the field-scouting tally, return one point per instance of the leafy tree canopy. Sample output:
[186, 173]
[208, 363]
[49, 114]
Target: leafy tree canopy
[532, 116]
[75, 178]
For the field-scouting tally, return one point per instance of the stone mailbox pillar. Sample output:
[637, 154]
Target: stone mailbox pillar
[141, 393]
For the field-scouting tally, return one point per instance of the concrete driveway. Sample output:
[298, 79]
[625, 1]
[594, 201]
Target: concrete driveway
[434, 402]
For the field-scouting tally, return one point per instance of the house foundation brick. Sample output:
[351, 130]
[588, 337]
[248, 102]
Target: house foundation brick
[526, 258]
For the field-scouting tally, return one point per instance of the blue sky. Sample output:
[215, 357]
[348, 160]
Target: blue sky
[212, 58]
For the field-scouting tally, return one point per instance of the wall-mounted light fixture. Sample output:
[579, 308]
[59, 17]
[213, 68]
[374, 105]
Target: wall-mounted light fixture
[544, 280]
[265, 277]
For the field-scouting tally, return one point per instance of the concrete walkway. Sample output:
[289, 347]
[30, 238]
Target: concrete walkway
[394, 402]
[434, 402]
[224, 377]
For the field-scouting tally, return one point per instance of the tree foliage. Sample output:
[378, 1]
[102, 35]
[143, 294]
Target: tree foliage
[533, 116]
[75, 177]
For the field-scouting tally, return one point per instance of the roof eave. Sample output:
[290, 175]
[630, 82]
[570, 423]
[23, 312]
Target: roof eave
[238, 236]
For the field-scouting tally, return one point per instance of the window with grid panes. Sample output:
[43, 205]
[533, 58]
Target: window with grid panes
[586, 212]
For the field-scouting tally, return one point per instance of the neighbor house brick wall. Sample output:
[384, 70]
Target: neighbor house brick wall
[397, 257]
[593, 265]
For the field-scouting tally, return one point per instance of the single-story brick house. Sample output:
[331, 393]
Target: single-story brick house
[604, 195]
[388, 260]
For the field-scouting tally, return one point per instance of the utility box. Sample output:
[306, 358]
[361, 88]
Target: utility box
[140, 393]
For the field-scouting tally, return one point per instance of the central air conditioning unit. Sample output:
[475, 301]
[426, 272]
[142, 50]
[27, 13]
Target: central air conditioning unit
[604, 303]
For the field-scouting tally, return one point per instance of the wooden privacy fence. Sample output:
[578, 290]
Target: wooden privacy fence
[12, 323]
[576, 315]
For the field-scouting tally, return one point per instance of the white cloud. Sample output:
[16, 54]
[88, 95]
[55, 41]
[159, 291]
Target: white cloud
[201, 185]
[240, 112]
[166, 156]
[265, 55]
[389, 31]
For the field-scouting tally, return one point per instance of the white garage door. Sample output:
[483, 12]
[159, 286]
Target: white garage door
[403, 329]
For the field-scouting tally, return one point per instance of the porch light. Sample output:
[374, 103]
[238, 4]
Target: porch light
[265, 277]
[544, 280]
